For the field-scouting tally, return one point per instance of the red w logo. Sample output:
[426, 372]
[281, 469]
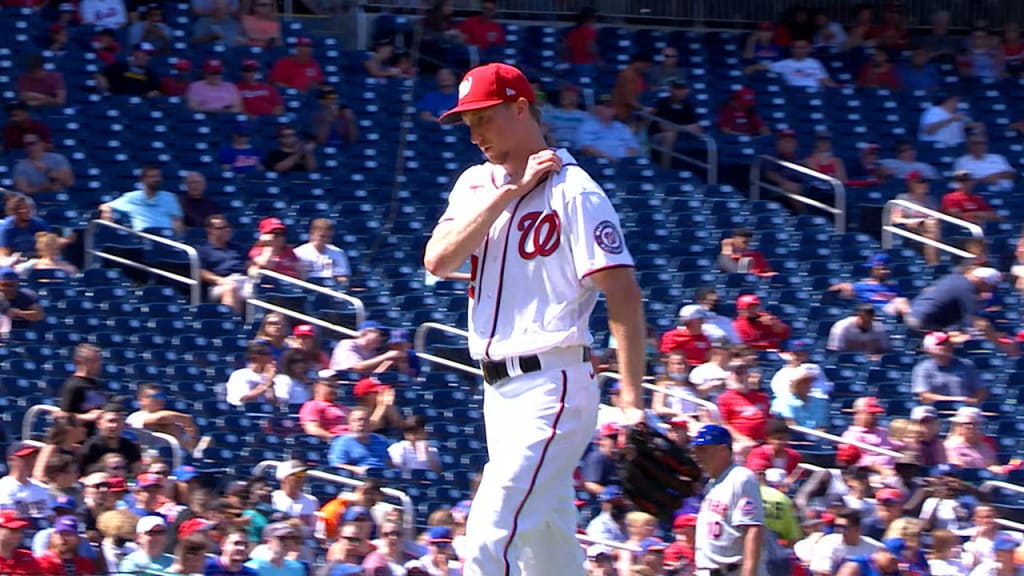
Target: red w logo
[541, 234]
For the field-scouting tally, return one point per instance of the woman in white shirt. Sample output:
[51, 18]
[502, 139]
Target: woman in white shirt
[292, 384]
[415, 452]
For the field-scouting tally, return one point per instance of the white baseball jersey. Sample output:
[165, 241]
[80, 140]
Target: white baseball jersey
[731, 501]
[530, 290]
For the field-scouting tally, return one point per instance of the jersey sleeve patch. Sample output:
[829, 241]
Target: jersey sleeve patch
[608, 237]
[747, 508]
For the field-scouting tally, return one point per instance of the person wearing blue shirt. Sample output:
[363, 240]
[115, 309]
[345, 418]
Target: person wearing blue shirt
[437, 102]
[799, 408]
[603, 136]
[240, 156]
[18, 230]
[876, 289]
[919, 73]
[277, 534]
[360, 450]
[149, 207]
[234, 552]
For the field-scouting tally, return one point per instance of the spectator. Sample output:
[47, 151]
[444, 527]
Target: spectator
[439, 39]
[19, 124]
[440, 100]
[745, 409]
[759, 50]
[919, 74]
[879, 73]
[131, 77]
[100, 495]
[719, 329]
[385, 63]
[482, 30]
[63, 556]
[1013, 49]
[440, 558]
[151, 538]
[240, 157]
[415, 451]
[906, 163]
[106, 47]
[14, 559]
[865, 429]
[736, 255]
[964, 203]
[859, 333]
[28, 498]
[673, 114]
[799, 408]
[600, 466]
[581, 44]
[688, 337]
[272, 251]
[801, 71]
[844, 542]
[39, 87]
[758, 329]
[273, 331]
[564, 121]
[966, 445]
[360, 450]
[304, 338]
[258, 98]
[290, 498]
[177, 83]
[196, 206]
[57, 42]
[823, 160]
[261, 25]
[917, 221]
[149, 206]
[929, 445]
[110, 440]
[151, 28]
[408, 362]
[219, 26]
[796, 356]
[610, 523]
[291, 384]
[667, 405]
[103, 13]
[347, 551]
[222, 265]
[944, 123]
[1005, 558]
[63, 439]
[829, 34]
[190, 555]
[877, 290]
[280, 537]
[602, 136]
[154, 416]
[362, 353]
[983, 57]
[987, 168]
[775, 452]
[630, 87]
[292, 154]
[739, 115]
[379, 401]
[334, 123]
[390, 554]
[42, 172]
[18, 230]
[212, 94]
[82, 395]
[322, 416]
[234, 548]
[299, 71]
[942, 377]
[319, 257]
[20, 305]
[255, 382]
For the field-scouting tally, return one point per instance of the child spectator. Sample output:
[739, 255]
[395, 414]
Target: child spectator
[415, 451]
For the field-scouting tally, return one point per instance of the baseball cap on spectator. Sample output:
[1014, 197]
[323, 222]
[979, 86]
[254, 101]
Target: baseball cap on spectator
[147, 480]
[327, 93]
[143, 47]
[611, 492]
[1003, 542]
[603, 100]
[271, 225]
[599, 552]
[961, 175]
[57, 27]
[21, 449]
[712, 435]
[10, 520]
[652, 544]
[182, 65]
[304, 41]
[148, 524]
[879, 259]
[919, 413]
[967, 415]
[774, 476]
[65, 502]
[193, 525]
[66, 523]
[356, 513]
[279, 530]
[847, 455]
[786, 133]
[370, 325]
[795, 346]
[213, 66]
[489, 85]
[610, 429]
[7, 273]
[889, 496]
[304, 330]
[117, 484]
[286, 469]
[184, 473]
[439, 534]
[915, 176]
[398, 336]
[614, 387]
[745, 96]
[679, 422]
[933, 339]
[989, 276]
[684, 520]
[746, 301]
[692, 312]
[868, 404]
[368, 386]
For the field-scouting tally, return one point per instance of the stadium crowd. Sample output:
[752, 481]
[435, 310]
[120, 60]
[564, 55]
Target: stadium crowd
[902, 496]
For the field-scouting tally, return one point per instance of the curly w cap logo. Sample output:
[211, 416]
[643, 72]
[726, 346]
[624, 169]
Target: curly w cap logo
[465, 86]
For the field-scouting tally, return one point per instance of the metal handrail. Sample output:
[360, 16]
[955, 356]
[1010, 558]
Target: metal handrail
[177, 453]
[888, 228]
[409, 511]
[840, 440]
[838, 211]
[609, 543]
[710, 146]
[420, 346]
[356, 303]
[192, 280]
[1001, 484]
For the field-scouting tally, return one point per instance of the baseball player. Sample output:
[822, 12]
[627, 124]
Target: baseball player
[730, 523]
[542, 240]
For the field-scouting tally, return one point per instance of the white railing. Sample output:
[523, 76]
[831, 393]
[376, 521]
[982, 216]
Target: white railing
[838, 211]
[409, 511]
[1001, 484]
[146, 437]
[710, 163]
[192, 280]
[840, 440]
[609, 543]
[420, 345]
[888, 228]
[356, 303]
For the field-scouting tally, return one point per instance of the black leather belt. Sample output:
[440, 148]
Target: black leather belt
[496, 371]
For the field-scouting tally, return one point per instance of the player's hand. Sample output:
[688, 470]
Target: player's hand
[538, 167]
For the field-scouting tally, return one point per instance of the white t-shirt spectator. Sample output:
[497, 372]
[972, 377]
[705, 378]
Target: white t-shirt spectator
[845, 336]
[304, 505]
[952, 134]
[329, 264]
[404, 456]
[103, 13]
[805, 73]
[31, 499]
[831, 549]
[707, 374]
[720, 329]
[240, 383]
[289, 391]
[986, 166]
[820, 388]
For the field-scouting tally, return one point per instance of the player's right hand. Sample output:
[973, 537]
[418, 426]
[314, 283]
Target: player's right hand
[538, 167]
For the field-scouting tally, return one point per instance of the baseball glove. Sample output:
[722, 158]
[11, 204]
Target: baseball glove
[655, 473]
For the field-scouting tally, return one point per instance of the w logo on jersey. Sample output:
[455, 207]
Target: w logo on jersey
[541, 234]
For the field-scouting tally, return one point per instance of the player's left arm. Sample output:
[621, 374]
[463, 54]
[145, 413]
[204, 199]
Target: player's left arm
[624, 302]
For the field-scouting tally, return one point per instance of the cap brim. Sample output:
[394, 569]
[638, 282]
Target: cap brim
[14, 525]
[454, 115]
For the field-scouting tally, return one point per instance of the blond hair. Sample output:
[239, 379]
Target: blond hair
[909, 529]
[942, 542]
[637, 518]
[899, 429]
[117, 524]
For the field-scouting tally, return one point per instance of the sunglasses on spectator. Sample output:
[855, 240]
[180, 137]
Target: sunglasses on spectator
[120, 467]
[352, 539]
[194, 551]
[99, 485]
[393, 534]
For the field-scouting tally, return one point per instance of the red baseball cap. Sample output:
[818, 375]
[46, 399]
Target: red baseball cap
[787, 133]
[213, 66]
[868, 404]
[368, 386]
[489, 85]
[915, 176]
[9, 519]
[889, 495]
[304, 330]
[183, 65]
[117, 484]
[304, 41]
[679, 422]
[847, 455]
[54, 28]
[746, 301]
[250, 64]
[610, 429]
[684, 520]
[271, 225]
[745, 95]
[193, 525]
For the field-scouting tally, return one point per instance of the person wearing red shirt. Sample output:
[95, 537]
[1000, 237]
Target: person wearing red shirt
[481, 30]
[258, 98]
[744, 408]
[64, 551]
[758, 329]
[736, 255]
[14, 560]
[739, 117]
[680, 553]
[299, 71]
[581, 44]
[688, 337]
[272, 252]
[879, 73]
[176, 84]
[964, 203]
[775, 452]
[20, 123]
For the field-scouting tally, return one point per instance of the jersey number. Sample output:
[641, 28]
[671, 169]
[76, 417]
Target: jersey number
[541, 234]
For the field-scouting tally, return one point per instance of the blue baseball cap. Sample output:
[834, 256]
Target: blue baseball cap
[712, 435]
[611, 492]
[369, 325]
[879, 259]
[1004, 543]
[398, 336]
[356, 512]
[184, 473]
[439, 534]
[64, 501]
[799, 345]
[66, 523]
[652, 545]
[7, 273]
